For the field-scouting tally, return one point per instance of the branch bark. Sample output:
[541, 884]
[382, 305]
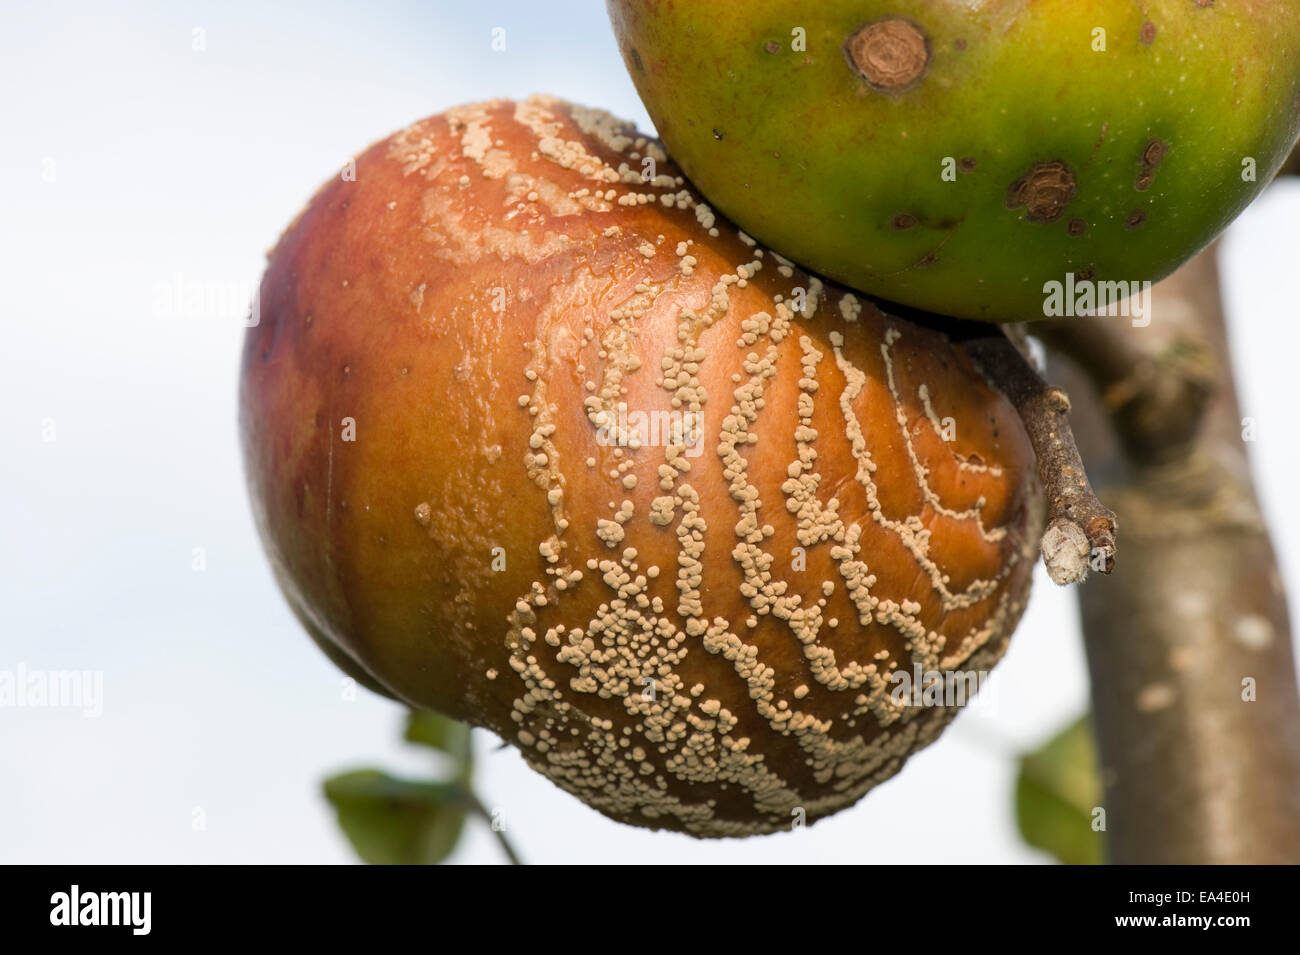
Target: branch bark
[1193, 769]
[1080, 531]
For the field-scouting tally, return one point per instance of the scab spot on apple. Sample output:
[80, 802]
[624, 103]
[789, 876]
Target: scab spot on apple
[891, 55]
[1152, 157]
[1044, 191]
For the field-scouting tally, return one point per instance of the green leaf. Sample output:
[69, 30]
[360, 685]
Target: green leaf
[393, 821]
[1057, 790]
[440, 732]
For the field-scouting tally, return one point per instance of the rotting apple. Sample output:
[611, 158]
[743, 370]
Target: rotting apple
[957, 156]
[536, 440]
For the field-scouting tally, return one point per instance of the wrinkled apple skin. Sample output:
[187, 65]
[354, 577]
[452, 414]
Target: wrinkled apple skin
[1135, 155]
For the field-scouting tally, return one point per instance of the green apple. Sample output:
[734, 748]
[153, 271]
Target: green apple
[959, 156]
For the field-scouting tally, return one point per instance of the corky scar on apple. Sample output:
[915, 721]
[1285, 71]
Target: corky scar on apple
[696, 624]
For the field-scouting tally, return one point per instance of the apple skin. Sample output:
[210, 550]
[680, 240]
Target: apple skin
[433, 326]
[1134, 155]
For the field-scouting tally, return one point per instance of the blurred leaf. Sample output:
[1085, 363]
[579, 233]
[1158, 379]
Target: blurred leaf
[397, 822]
[1056, 791]
[440, 732]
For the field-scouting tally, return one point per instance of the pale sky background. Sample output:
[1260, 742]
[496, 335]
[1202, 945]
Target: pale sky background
[129, 162]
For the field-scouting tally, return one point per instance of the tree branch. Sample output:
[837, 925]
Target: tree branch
[1080, 530]
[1189, 650]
